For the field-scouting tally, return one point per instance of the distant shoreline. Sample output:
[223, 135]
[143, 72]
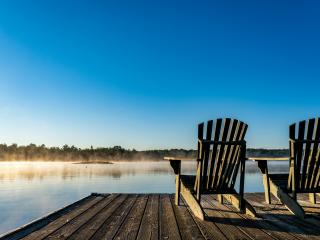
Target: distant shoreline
[67, 153]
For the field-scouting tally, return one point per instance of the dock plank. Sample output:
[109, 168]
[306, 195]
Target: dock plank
[215, 218]
[273, 230]
[58, 223]
[278, 214]
[168, 224]
[248, 227]
[264, 212]
[130, 227]
[187, 226]
[87, 230]
[72, 226]
[149, 228]
[310, 225]
[111, 226]
[155, 216]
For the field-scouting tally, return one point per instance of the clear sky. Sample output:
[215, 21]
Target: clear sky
[142, 74]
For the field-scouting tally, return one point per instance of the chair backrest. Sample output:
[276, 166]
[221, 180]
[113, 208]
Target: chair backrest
[304, 142]
[220, 150]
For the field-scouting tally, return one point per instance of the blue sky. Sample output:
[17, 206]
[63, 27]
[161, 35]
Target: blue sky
[142, 74]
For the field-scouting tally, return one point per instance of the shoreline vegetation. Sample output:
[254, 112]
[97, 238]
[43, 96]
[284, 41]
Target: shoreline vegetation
[33, 152]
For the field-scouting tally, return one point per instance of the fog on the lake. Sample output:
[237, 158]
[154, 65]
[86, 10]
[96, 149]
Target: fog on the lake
[30, 190]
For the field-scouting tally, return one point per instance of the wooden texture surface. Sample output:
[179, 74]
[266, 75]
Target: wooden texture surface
[155, 216]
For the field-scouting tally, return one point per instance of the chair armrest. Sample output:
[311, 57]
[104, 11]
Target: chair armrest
[178, 159]
[258, 159]
[175, 163]
[263, 162]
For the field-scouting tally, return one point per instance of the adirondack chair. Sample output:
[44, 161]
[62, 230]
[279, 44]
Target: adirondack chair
[218, 162]
[304, 162]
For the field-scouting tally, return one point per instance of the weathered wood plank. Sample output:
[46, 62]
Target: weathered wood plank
[167, 222]
[283, 217]
[149, 228]
[72, 226]
[267, 213]
[273, 230]
[111, 225]
[64, 219]
[153, 216]
[246, 225]
[267, 217]
[44, 221]
[217, 219]
[87, 230]
[251, 224]
[130, 227]
[188, 228]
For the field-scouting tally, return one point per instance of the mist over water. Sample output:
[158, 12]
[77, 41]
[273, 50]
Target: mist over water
[30, 190]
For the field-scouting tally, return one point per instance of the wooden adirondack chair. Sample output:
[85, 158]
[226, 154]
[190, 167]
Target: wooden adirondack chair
[219, 159]
[304, 173]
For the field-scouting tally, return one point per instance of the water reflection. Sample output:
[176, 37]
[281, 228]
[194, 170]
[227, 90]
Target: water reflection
[30, 190]
[39, 170]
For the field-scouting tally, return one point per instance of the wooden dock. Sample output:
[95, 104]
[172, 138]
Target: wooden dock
[154, 216]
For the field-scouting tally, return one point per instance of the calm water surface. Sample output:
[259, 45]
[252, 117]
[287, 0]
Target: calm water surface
[30, 190]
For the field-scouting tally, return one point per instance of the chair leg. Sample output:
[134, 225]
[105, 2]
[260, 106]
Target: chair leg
[235, 199]
[241, 187]
[312, 198]
[192, 202]
[265, 177]
[290, 202]
[294, 196]
[178, 189]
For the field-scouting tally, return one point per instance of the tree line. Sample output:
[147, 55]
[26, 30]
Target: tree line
[33, 152]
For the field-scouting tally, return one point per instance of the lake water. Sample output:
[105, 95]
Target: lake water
[29, 190]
